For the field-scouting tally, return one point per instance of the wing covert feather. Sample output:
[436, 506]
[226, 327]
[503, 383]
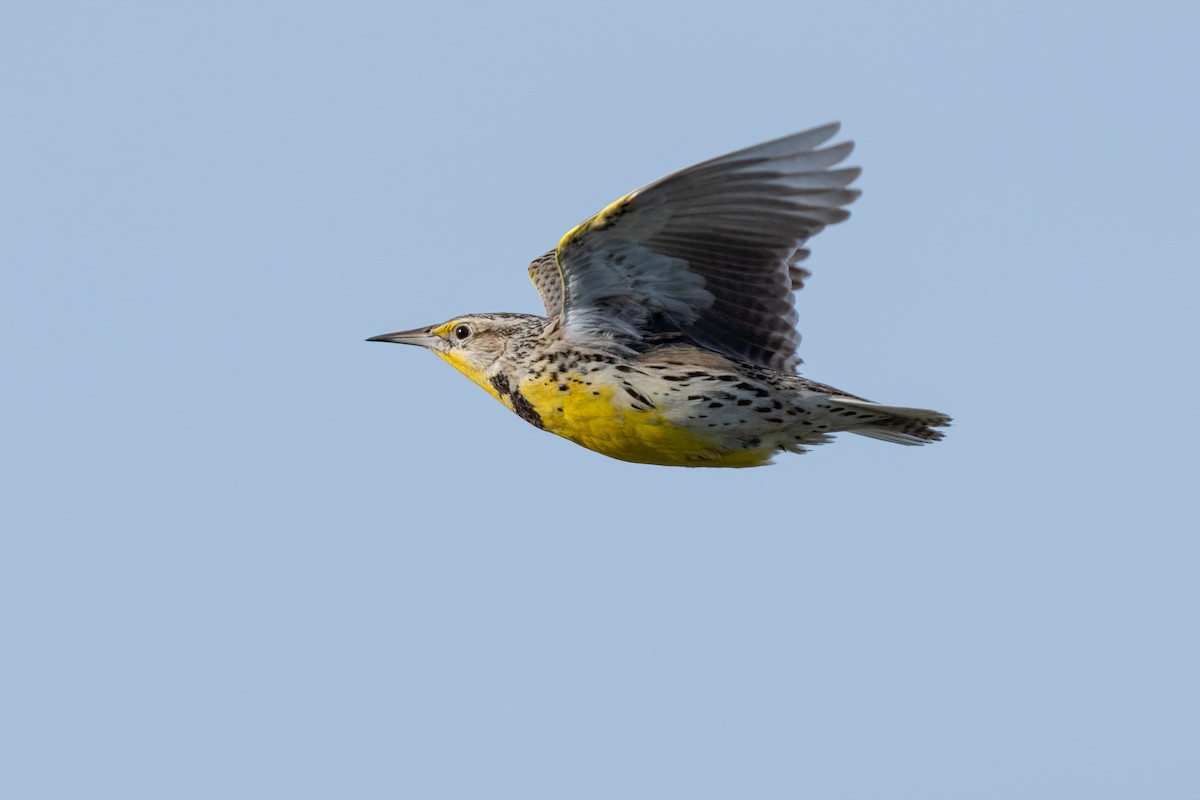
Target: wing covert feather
[547, 278]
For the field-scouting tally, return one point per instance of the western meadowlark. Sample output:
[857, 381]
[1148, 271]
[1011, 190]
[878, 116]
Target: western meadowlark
[669, 336]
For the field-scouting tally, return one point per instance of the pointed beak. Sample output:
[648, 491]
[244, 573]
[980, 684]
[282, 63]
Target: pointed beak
[418, 336]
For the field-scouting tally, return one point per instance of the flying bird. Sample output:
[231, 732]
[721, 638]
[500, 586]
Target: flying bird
[670, 330]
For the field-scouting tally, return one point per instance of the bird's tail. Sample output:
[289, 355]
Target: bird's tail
[890, 423]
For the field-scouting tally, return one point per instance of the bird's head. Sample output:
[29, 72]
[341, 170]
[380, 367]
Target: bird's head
[473, 344]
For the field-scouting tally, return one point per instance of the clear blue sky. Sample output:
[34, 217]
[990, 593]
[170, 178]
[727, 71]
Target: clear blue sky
[246, 554]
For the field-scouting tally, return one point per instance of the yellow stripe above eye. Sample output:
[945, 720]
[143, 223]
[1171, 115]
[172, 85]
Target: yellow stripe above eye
[597, 222]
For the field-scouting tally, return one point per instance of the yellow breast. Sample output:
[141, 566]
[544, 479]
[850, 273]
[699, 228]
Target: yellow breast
[599, 419]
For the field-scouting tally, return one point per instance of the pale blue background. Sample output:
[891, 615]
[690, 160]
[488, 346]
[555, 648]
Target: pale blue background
[246, 554]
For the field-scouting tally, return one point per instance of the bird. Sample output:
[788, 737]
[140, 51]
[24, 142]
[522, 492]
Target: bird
[670, 329]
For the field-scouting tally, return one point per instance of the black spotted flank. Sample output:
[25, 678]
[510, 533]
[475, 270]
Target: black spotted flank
[638, 396]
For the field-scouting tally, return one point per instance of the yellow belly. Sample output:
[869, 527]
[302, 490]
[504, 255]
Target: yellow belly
[592, 417]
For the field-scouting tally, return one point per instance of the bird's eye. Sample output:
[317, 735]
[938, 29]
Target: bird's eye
[462, 332]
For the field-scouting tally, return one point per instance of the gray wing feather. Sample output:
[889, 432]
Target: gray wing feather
[711, 251]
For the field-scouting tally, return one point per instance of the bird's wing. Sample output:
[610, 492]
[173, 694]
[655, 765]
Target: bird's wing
[711, 251]
[543, 271]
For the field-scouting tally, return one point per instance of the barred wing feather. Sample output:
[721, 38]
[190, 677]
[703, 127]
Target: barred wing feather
[543, 271]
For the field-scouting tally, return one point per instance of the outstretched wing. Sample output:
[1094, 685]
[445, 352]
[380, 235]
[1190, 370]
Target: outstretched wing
[548, 280]
[711, 251]
[543, 271]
